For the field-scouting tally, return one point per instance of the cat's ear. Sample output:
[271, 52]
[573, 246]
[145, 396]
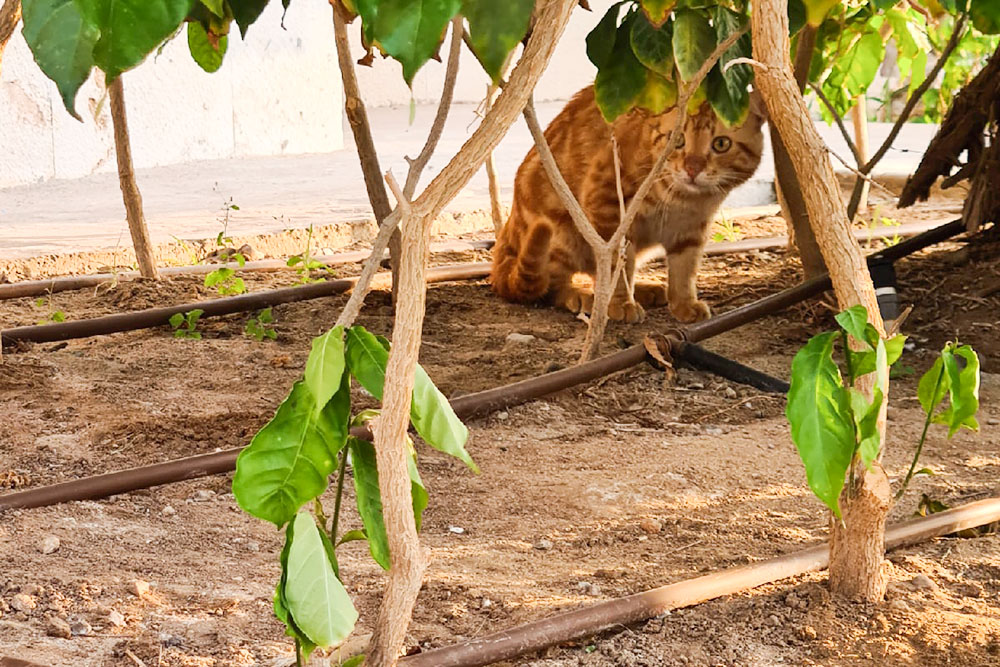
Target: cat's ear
[757, 106]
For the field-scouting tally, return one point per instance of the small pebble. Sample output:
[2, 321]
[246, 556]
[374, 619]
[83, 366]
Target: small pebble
[80, 628]
[48, 544]
[138, 588]
[696, 385]
[168, 640]
[792, 600]
[774, 620]
[651, 526]
[520, 338]
[458, 530]
[543, 545]
[202, 495]
[168, 510]
[993, 421]
[486, 603]
[116, 618]
[922, 582]
[588, 588]
[23, 603]
[808, 632]
[253, 545]
[730, 392]
[503, 415]
[713, 430]
[58, 628]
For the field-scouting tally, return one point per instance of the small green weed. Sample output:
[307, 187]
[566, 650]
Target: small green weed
[727, 230]
[304, 263]
[186, 324]
[260, 326]
[54, 316]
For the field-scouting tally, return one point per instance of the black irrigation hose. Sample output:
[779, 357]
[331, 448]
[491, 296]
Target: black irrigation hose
[470, 405]
[703, 359]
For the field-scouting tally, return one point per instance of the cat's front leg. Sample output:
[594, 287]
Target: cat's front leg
[682, 293]
[623, 307]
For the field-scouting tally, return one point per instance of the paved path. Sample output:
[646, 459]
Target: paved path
[276, 193]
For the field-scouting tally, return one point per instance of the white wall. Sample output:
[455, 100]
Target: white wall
[277, 93]
[569, 71]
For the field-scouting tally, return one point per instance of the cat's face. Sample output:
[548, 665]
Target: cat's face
[711, 158]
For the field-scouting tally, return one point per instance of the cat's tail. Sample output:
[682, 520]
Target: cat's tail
[522, 275]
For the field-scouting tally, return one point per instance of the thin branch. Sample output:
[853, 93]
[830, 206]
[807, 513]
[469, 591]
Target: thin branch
[839, 121]
[857, 172]
[437, 127]
[956, 37]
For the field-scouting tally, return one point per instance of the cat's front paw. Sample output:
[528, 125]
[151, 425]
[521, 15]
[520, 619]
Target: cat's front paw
[579, 301]
[624, 311]
[690, 311]
[650, 294]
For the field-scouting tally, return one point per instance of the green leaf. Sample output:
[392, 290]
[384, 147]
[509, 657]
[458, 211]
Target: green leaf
[985, 16]
[62, 43]
[436, 421]
[694, 41]
[418, 492]
[894, 348]
[853, 321]
[657, 11]
[816, 10]
[796, 16]
[217, 7]
[176, 320]
[325, 366]
[495, 28]
[430, 412]
[289, 460]
[933, 386]
[369, 499]
[963, 389]
[658, 95]
[314, 597]
[728, 90]
[280, 606]
[356, 661]
[208, 57]
[131, 29]
[621, 79]
[819, 413]
[652, 46]
[866, 422]
[408, 30]
[352, 536]
[601, 40]
[925, 471]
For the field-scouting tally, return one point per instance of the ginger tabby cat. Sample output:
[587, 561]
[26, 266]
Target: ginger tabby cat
[539, 250]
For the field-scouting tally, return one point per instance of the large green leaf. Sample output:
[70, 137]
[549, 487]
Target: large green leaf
[418, 493]
[288, 462]
[694, 41]
[369, 499]
[816, 10]
[436, 421]
[963, 389]
[430, 412]
[658, 95]
[601, 40]
[728, 89]
[622, 77]
[854, 321]
[796, 16]
[408, 30]
[131, 29]
[495, 28]
[657, 10]
[325, 365]
[209, 58]
[819, 413]
[985, 15]
[246, 12]
[652, 46]
[314, 597]
[866, 422]
[933, 386]
[62, 43]
[280, 606]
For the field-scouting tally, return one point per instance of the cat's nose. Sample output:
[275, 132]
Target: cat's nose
[694, 165]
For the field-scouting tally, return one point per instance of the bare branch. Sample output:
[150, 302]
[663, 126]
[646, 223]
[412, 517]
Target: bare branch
[857, 172]
[839, 121]
[437, 127]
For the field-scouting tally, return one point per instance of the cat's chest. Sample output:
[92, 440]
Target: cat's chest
[666, 222]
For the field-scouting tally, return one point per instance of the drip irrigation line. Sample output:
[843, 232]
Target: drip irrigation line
[703, 359]
[466, 406]
[33, 288]
[154, 317]
[30, 288]
[592, 620]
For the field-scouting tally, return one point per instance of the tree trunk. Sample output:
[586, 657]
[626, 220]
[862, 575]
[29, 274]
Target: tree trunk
[357, 116]
[126, 179]
[856, 563]
[10, 15]
[787, 187]
[407, 559]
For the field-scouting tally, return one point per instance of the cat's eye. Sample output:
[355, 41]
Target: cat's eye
[721, 144]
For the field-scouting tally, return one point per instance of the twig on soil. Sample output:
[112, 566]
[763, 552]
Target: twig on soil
[839, 121]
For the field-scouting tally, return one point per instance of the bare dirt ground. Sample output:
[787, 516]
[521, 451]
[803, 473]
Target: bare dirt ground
[596, 492]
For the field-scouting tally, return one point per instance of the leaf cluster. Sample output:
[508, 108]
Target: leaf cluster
[289, 462]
